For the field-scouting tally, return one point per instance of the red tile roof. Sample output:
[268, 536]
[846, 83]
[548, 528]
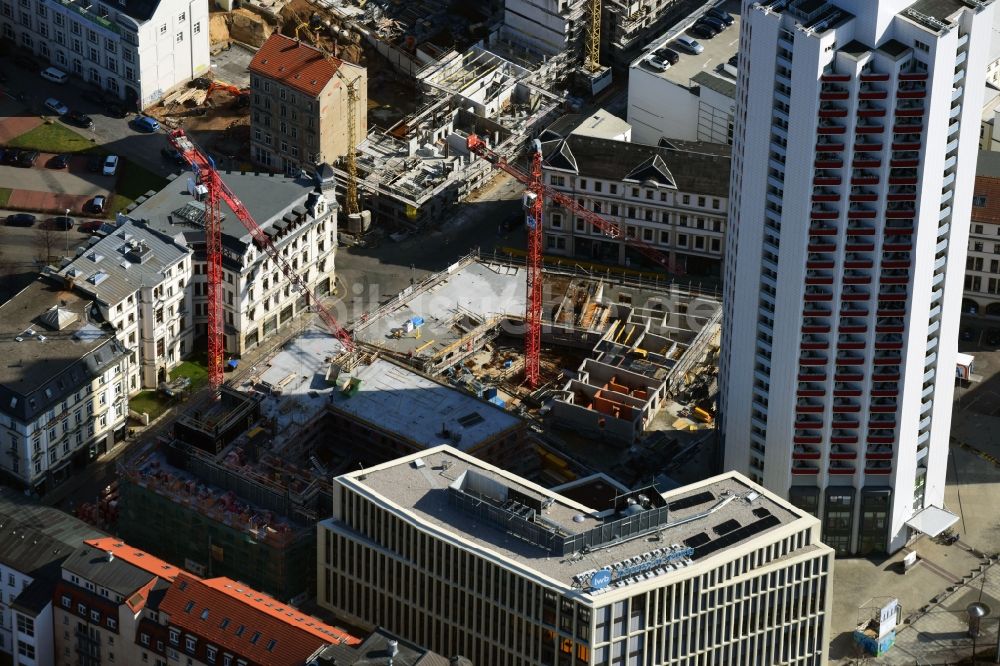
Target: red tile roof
[295, 64]
[135, 557]
[986, 194]
[285, 636]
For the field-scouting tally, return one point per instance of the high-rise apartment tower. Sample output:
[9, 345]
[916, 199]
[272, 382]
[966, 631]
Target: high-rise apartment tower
[853, 165]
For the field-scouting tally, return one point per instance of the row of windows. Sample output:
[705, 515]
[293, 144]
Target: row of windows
[715, 203]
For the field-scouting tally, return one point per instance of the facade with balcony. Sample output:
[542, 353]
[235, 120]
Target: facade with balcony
[847, 247]
[136, 50]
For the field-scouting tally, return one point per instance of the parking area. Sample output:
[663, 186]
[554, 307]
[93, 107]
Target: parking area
[46, 189]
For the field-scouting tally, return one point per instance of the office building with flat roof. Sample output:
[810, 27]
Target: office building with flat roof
[466, 558]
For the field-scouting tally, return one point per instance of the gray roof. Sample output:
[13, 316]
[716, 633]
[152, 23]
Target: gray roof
[116, 575]
[719, 84]
[34, 536]
[120, 263]
[988, 164]
[267, 196]
[38, 594]
[374, 651]
[47, 363]
[689, 166]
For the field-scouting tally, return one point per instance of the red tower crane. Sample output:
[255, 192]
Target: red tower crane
[218, 191]
[534, 201]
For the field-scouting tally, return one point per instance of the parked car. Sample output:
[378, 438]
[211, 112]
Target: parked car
[115, 110]
[721, 14]
[54, 75]
[59, 162]
[91, 227]
[13, 156]
[173, 156]
[79, 119]
[735, 60]
[702, 31]
[654, 62]
[56, 107]
[62, 223]
[20, 220]
[95, 163]
[669, 55]
[145, 124]
[97, 204]
[689, 44]
[110, 167]
[993, 337]
[27, 158]
[715, 23]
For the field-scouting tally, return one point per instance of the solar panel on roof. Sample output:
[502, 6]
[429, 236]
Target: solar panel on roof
[761, 512]
[690, 501]
[726, 527]
[697, 540]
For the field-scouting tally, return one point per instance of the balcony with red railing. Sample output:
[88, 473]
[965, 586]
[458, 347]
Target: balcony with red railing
[852, 293]
[891, 324]
[803, 452]
[885, 297]
[821, 212]
[808, 423]
[897, 244]
[869, 128]
[845, 406]
[828, 127]
[849, 325]
[829, 161]
[802, 468]
[843, 437]
[815, 325]
[812, 376]
[897, 211]
[828, 77]
[849, 359]
[878, 467]
[870, 92]
[891, 343]
[845, 423]
[862, 194]
[845, 390]
[824, 177]
[885, 390]
[830, 110]
[911, 94]
[841, 452]
[833, 93]
[810, 390]
[869, 110]
[866, 161]
[825, 195]
[818, 228]
[860, 212]
[807, 406]
[878, 452]
[841, 467]
[855, 246]
[897, 309]
[851, 342]
[886, 374]
[815, 310]
[900, 228]
[881, 438]
[853, 310]
[812, 278]
[815, 294]
[868, 77]
[856, 278]
[822, 246]
[810, 341]
[844, 376]
[906, 142]
[884, 406]
[862, 177]
[896, 260]
[864, 144]
[858, 261]
[887, 358]
[818, 262]
[812, 359]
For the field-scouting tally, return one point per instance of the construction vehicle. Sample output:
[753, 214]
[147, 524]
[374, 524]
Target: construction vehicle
[534, 203]
[242, 95]
[217, 192]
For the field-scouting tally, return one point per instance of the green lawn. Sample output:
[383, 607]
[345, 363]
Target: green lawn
[52, 138]
[4, 196]
[196, 372]
[150, 402]
[133, 182]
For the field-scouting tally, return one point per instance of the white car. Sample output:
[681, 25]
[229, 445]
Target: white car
[54, 75]
[110, 165]
[657, 63]
[56, 107]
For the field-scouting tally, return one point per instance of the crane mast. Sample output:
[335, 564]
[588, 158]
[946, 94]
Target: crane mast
[534, 203]
[217, 192]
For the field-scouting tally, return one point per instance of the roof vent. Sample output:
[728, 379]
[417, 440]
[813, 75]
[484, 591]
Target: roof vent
[109, 556]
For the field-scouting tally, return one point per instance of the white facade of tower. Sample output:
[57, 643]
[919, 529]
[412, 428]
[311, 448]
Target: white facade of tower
[853, 165]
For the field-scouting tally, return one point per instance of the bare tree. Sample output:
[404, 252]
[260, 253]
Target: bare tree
[45, 241]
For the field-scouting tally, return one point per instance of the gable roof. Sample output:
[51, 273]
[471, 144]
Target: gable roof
[135, 557]
[34, 536]
[272, 632]
[689, 166]
[298, 65]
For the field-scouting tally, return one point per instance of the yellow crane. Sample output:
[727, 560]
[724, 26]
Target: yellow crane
[592, 60]
[351, 205]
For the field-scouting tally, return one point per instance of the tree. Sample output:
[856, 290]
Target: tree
[45, 241]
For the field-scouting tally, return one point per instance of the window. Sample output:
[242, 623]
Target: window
[26, 649]
[210, 653]
[190, 642]
[95, 616]
[240, 630]
[181, 17]
[81, 609]
[65, 601]
[175, 636]
[196, 29]
[180, 37]
[163, 29]
[144, 639]
[25, 625]
[979, 200]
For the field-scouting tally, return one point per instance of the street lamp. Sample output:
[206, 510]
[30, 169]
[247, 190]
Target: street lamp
[66, 235]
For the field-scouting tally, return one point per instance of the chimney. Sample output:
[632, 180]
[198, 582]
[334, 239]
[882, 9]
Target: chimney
[109, 556]
[393, 650]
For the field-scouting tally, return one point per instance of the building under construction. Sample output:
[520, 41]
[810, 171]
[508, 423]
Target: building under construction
[411, 171]
[613, 350]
